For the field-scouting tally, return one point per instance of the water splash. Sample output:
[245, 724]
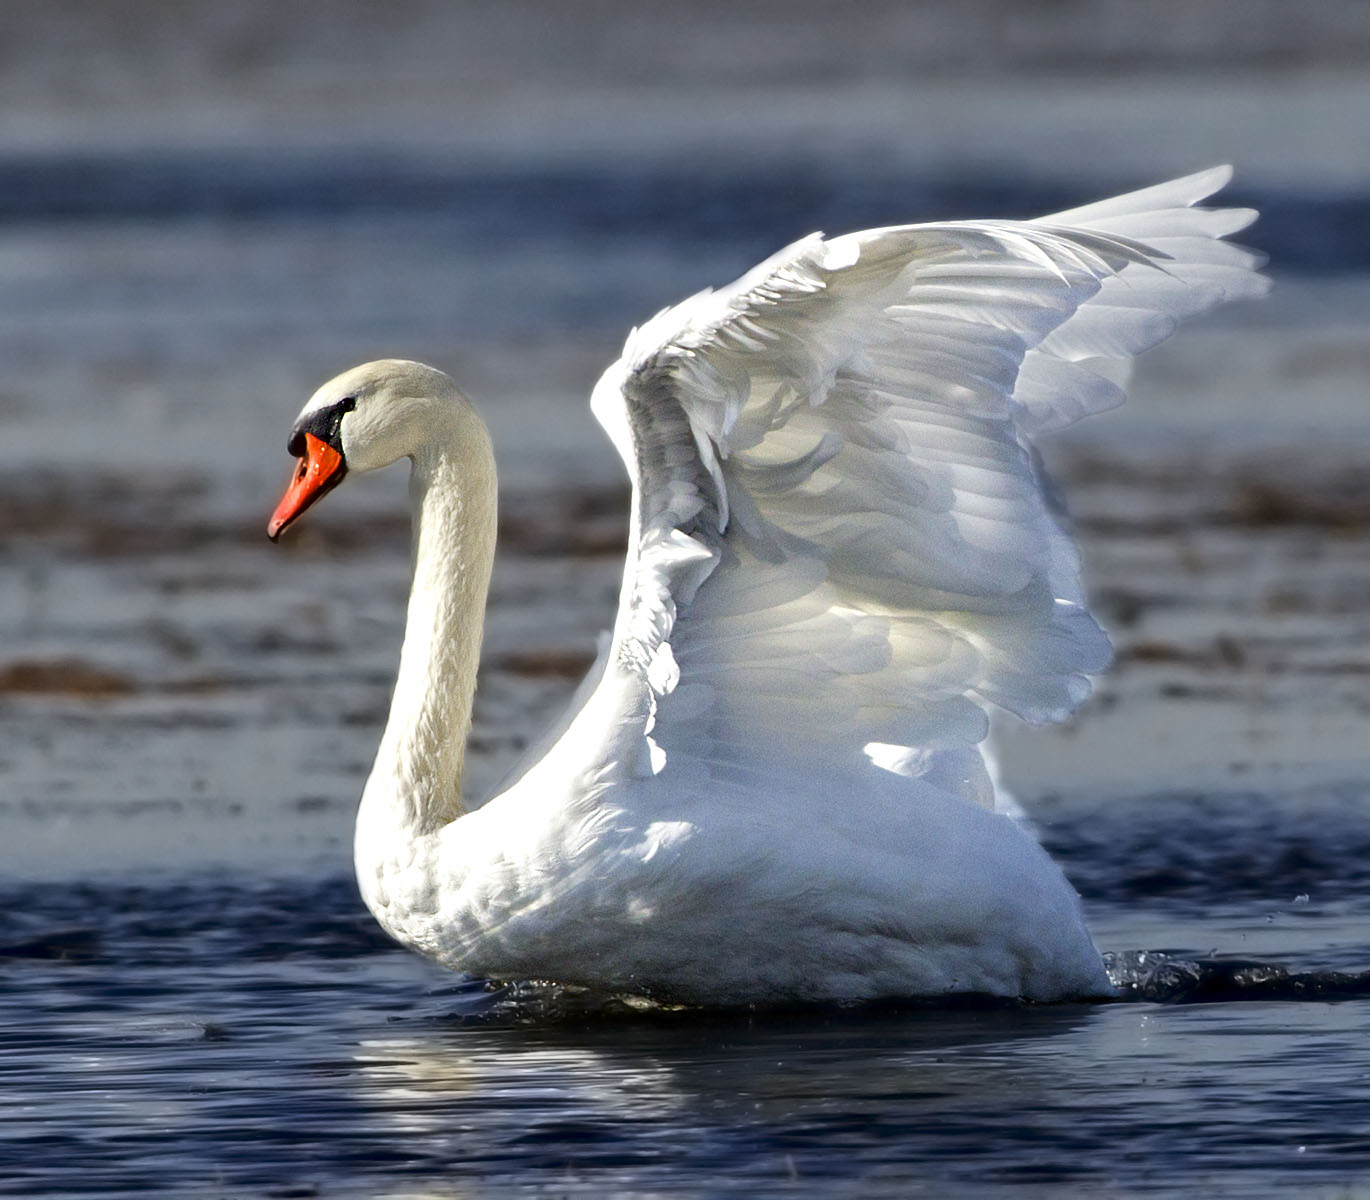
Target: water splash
[1165, 978]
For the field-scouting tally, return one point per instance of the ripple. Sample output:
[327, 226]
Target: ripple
[1207, 848]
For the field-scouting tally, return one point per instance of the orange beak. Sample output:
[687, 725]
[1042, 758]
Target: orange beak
[317, 473]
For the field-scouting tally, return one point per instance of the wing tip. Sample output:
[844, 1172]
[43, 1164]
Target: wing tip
[1211, 180]
[1185, 191]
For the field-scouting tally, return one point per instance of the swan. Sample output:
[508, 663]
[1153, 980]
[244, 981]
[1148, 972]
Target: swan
[770, 786]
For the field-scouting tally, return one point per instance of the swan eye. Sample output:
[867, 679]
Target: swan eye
[325, 424]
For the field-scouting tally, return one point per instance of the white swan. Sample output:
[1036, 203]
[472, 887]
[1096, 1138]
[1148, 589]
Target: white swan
[770, 786]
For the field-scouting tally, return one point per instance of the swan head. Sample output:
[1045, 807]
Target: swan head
[364, 419]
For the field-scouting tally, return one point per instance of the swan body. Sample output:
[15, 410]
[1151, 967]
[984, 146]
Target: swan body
[770, 786]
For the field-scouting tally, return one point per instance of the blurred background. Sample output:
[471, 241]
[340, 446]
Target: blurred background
[206, 209]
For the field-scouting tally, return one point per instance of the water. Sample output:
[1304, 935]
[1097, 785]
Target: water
[226, 1037]
[195, 1002]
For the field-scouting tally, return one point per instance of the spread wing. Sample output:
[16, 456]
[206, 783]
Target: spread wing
[842, 555]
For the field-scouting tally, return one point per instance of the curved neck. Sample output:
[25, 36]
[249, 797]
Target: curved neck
[415, 785]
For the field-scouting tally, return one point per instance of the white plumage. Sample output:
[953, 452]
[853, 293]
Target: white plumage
[841, 558]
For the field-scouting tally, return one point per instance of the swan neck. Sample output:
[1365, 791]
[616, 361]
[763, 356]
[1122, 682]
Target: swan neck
[417, 775]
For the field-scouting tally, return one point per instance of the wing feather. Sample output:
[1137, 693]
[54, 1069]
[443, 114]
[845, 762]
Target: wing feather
[842, 548]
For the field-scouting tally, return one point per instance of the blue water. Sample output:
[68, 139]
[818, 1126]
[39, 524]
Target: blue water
[225, 1037]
